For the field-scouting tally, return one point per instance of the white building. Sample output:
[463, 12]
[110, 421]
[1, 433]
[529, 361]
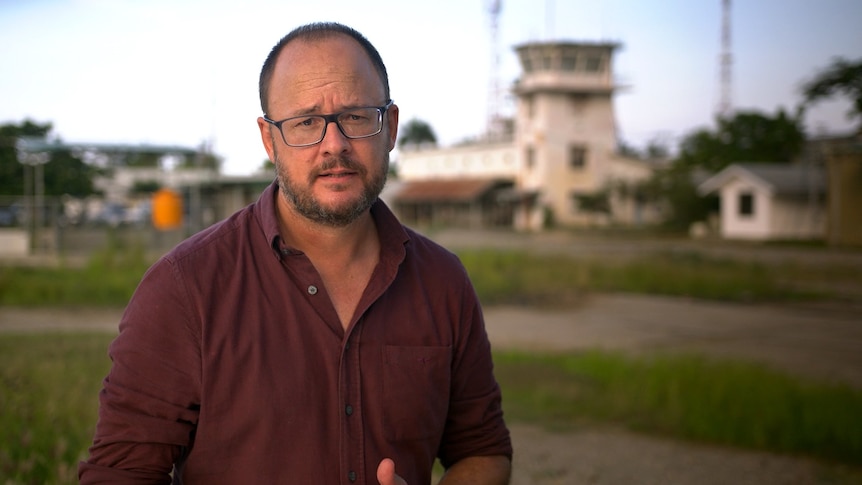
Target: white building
[763, 201]
[561, 162]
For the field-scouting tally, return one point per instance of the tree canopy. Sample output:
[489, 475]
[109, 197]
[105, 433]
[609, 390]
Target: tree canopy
[842, 77]
[65, 173]
[416, 132]
[746, 137]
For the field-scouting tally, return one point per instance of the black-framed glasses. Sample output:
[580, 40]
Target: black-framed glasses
[307, 130]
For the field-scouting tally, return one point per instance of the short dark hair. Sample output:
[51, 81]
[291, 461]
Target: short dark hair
[312, 32]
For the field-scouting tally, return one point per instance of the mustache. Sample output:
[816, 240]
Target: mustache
[338, 162]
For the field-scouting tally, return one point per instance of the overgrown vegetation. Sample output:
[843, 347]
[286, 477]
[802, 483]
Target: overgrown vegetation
[520, 277]
[49, 385]
[510, 277]
[688, 397]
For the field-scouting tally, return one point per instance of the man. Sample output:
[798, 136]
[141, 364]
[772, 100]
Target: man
[309, 338]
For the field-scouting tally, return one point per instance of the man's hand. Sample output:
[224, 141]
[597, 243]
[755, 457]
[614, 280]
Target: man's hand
[386, 473]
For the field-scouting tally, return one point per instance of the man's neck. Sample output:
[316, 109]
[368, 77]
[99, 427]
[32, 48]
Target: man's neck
[345, 257]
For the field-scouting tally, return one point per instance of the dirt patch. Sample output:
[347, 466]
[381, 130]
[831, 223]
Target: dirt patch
[818, 341]
[608, 456]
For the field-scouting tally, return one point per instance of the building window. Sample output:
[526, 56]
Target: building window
[530, 157]
[569, 62]
[746, 204]
[577, 157]
[593, 64]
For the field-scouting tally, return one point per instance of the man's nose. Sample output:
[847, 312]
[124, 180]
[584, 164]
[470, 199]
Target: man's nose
[334, 140]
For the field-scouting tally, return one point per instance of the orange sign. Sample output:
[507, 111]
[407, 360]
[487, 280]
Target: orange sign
[167, 210]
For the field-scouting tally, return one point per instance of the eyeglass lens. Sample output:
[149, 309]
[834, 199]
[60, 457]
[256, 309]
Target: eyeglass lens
[355, 123]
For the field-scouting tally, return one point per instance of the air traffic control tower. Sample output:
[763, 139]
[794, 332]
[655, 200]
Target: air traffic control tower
[566, 133]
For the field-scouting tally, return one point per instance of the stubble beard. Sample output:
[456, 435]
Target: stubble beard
[301, 198]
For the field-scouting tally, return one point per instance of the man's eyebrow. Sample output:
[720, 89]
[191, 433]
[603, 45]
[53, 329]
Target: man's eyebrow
[315, 110]
[311, 110]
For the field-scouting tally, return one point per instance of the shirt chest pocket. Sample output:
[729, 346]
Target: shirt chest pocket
[416, 391]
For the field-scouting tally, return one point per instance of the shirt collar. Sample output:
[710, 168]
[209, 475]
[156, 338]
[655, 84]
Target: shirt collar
[391, 232]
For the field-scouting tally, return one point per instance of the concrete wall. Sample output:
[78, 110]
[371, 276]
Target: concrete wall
[845, 199]
[736, 226]
[492, 161]
[14, 242]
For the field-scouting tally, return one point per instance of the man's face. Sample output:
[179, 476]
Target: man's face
[336, 180]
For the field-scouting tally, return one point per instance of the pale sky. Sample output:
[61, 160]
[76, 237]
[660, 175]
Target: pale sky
[181, 72]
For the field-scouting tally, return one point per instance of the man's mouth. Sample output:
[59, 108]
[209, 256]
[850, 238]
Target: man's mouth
[339, 174]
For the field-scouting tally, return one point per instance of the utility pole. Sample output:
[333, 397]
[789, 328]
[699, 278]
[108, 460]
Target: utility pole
[725, 104]
[36, 159]
[493, 128]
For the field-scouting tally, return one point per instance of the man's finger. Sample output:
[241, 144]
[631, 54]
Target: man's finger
[386, 473]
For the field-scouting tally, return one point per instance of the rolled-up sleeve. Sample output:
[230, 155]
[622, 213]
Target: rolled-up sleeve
[475, 426]
[149, 403]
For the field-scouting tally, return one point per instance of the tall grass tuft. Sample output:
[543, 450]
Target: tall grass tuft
[692, 397]
[49, 388]
[521, 277]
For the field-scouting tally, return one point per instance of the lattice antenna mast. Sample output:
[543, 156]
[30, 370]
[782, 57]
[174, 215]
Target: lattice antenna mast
[493, 127]
[725, 104]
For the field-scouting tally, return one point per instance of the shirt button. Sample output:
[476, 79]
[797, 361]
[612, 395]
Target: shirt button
[312, 290]
[348, 410]
[351, 476]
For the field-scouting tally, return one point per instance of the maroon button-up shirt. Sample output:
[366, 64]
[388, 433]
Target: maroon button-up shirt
[232, 365]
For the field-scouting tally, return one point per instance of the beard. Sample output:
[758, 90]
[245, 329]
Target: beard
[302, 199]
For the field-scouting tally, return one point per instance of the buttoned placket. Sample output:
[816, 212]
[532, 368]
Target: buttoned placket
[352, 449]
[352, 438]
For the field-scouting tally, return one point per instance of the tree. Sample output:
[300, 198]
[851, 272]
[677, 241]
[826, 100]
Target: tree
[656, 149]
[746, 137]
[842, 77]
[11, 171]
[677, 187]
[65, 173]
[416, 132]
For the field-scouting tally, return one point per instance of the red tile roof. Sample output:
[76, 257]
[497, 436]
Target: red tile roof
[440, 190]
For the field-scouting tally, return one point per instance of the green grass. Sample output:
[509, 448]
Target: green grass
[108, 279]
[49, 385]
[689, 397]
[510, 277]
[520, 277]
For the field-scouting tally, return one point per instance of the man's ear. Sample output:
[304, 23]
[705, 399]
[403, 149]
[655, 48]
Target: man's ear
[392, 113]
[266, 137]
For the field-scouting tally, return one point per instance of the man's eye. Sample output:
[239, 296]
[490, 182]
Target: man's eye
[354, 117]
[305, 122]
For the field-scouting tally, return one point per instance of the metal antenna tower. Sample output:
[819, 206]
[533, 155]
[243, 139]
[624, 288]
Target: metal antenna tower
[725, 104]
[493, 127]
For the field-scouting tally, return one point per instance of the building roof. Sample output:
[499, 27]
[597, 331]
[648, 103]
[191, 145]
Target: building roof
[439, 190]
[778, 178]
